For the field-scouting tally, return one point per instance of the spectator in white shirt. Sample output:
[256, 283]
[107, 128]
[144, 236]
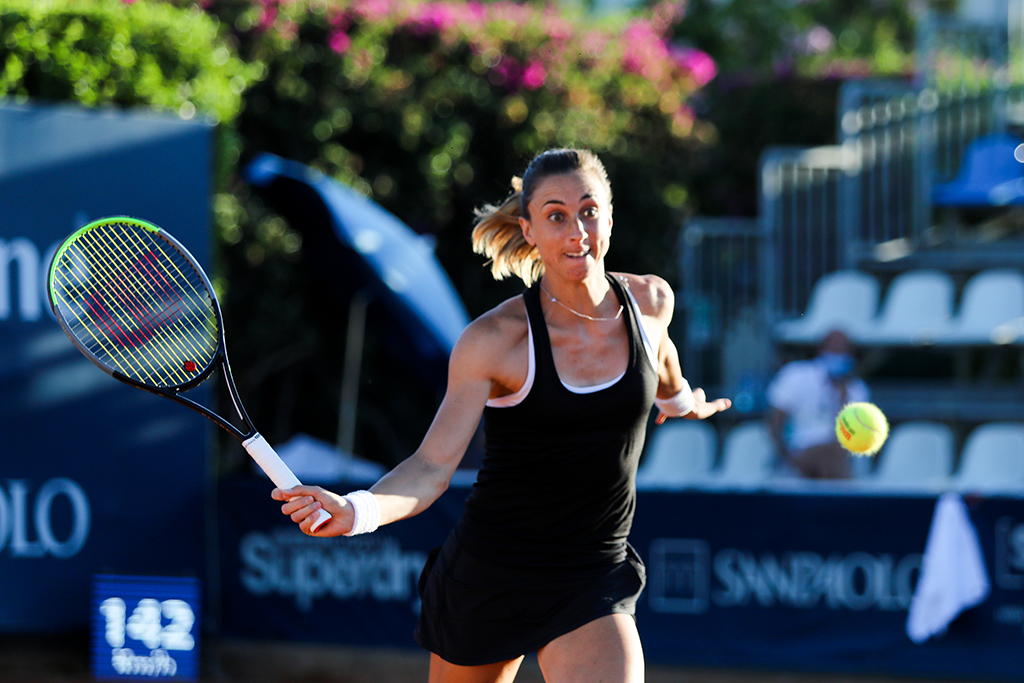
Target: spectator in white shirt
[804, 398]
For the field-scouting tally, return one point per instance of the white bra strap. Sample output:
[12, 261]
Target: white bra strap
[652, 353]
[510, 400]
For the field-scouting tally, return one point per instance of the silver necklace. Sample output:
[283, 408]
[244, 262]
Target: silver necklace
[582, 315]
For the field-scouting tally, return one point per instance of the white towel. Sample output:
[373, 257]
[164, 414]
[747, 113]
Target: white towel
[953, 576]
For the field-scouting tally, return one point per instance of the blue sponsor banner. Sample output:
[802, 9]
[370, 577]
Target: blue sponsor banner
[788, 581]
[819, 582]
[95, 476]
[145, 628]
[277, 583]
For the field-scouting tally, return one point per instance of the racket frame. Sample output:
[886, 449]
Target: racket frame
[251, 440]
[219, 357]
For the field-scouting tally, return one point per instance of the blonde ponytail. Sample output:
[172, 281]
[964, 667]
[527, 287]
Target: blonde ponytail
[498, 236]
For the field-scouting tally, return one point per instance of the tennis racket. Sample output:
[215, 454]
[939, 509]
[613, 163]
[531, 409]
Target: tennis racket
[138, 305]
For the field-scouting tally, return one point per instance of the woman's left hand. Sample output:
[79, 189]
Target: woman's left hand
[702, 407]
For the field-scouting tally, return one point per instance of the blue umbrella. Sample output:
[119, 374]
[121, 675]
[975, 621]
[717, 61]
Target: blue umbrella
[401, 264]
[367, 251]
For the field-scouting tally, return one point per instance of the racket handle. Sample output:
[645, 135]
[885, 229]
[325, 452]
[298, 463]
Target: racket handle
[282, 476]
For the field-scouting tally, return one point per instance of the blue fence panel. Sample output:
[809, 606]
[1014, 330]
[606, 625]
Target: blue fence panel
[93, 474]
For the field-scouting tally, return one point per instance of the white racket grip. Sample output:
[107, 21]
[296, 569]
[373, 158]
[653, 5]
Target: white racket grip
[282, 476]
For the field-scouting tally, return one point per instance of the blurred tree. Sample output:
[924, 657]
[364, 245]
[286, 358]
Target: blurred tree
[430, 108]
[781, 64]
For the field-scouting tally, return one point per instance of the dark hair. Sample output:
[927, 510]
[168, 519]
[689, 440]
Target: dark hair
[496, 233]
[556, 162]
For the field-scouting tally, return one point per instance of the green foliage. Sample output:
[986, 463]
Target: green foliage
[430, 108]
[102, 53]
[107, 52]
[823, 38]
[111, 53]
[781, 66]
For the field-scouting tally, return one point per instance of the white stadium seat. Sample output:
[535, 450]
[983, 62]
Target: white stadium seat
[992, 300]
[917, 307]
[917, 456]
[748, 456]
[680, 454]
[844, 299]
[992, 459]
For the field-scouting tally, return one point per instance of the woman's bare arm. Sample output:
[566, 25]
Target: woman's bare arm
[419, 480]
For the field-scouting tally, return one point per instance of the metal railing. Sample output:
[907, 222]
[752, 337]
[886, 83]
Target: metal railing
[831, 207]
[826, 208]
[905, 141]
[720, 308]
[801, 197]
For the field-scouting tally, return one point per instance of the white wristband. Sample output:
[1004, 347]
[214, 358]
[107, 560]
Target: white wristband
[678, 405]
[365, 512]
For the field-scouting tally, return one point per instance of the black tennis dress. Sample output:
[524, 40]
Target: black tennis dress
[541, 547]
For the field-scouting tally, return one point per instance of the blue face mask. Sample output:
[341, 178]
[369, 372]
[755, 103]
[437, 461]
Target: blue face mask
[837, 365]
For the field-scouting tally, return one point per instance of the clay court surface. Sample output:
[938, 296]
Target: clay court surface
[65, 659]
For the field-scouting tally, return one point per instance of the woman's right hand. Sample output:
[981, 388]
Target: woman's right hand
[301, 504]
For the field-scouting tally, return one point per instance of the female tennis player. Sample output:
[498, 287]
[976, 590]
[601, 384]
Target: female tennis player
[564, 376]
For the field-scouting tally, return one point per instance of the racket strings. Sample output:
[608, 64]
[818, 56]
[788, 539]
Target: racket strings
[129, 319]
[102, 316]
[156, 298]
[164, 306]
[131, 322]
[138, 304]
[119, 293]
[146, 315]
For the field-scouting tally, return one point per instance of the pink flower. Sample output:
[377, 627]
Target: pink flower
[644, 51]
[557, 27]
[372, 10]
[513, 75]
[339, 42]
[433, 17]
[683, 119]
[666, 13]
[341, 21]
[534, 76]
[267, 17]
[506, 72]
[700, 66]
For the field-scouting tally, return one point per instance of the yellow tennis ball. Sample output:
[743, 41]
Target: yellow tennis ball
[861, 428]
